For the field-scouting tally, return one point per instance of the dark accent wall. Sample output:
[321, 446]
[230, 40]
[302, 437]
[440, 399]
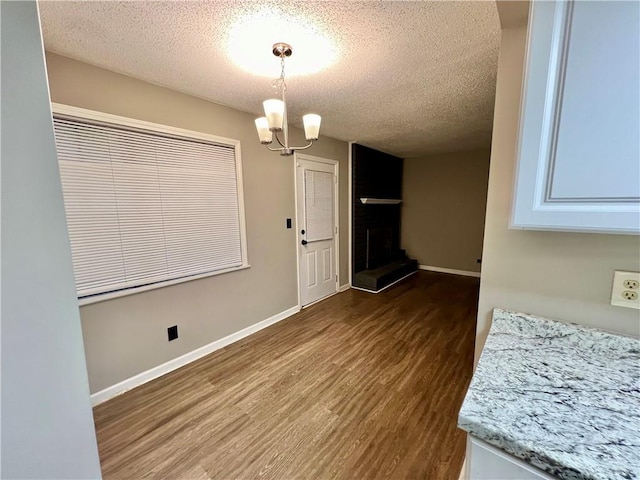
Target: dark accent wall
[374, 175]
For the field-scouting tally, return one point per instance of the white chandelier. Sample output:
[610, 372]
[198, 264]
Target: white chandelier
[275, 110]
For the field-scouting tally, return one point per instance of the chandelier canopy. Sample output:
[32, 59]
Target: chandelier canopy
[275, 110]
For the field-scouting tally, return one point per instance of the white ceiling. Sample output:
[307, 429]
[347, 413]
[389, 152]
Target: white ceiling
[409, 78]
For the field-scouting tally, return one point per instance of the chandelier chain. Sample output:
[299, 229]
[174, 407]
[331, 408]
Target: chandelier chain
[279, 84]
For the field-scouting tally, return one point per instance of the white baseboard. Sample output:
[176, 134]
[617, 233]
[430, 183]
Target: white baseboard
[449, 270]
[155, 372]
[344, 288]
[463, 471]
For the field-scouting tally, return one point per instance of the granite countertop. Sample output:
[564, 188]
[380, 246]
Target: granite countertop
[562, 397]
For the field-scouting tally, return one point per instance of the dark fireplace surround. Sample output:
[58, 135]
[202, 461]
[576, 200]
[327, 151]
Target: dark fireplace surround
[380, 248]
[377, 259]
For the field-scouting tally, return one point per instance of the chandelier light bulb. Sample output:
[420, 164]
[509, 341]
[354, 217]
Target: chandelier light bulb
[274, 111]
[311, 123]
[265, 135]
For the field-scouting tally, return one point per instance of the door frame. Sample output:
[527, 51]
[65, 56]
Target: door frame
[336, 216]
[350, 214]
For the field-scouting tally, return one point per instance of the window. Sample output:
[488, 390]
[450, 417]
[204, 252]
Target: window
[147, 205]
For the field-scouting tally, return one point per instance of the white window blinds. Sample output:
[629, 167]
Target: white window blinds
[145, 207]
[318, 205]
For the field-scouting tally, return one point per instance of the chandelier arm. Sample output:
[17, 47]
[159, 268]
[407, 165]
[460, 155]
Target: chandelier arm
[273, 149]
[275, 134]
[302, 148]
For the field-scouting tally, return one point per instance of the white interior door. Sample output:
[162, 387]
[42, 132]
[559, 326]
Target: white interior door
[316, 188]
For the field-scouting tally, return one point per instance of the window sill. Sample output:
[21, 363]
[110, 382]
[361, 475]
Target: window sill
[145, 288]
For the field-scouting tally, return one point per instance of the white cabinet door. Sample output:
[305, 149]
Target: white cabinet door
[487, 463]
[579, 146]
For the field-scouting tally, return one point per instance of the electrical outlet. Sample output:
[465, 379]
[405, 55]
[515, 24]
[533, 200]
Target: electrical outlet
[172, 332]
[626, 289]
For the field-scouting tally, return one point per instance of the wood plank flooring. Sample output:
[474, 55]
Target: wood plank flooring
[357, 386]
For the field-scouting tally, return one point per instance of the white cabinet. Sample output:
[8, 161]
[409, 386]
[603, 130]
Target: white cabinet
[485, 462]
[579, 144]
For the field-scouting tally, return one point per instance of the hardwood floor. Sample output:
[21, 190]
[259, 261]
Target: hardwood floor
[356, 386]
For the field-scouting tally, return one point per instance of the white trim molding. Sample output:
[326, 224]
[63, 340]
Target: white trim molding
[350, 210]
[463, 470]
[452, 271]
[344, 288]
[297, 157]
[383, 288]
[155, 372]
[101, 297]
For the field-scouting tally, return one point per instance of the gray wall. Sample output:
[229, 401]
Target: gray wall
[566, 276]
[47, 427]
[128, 335]
[444, 199]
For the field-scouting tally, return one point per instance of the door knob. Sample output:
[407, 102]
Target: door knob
[304, 242]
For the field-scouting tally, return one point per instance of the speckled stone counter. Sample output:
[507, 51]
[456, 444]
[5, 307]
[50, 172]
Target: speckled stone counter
[562, 397]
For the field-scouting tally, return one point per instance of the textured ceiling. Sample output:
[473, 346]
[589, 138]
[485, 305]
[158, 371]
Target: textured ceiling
[409, 78]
